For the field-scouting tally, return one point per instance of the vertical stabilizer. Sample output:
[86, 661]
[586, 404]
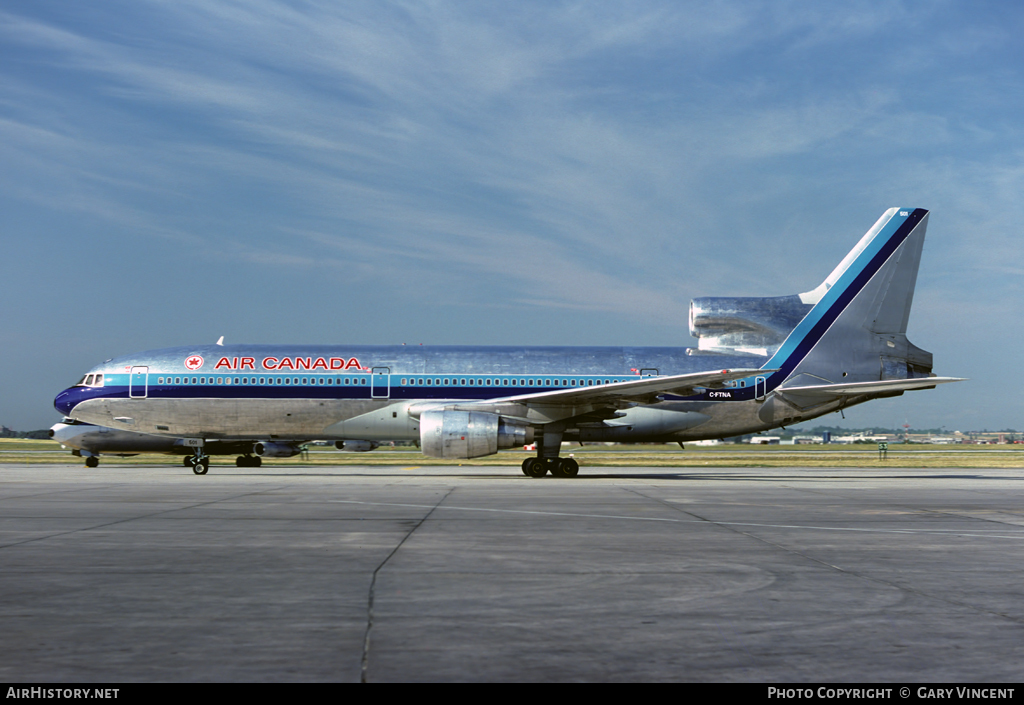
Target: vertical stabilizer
[859, 318]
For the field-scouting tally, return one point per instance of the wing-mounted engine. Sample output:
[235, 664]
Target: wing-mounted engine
[356, 446]
[447, 433]
[745, 325]
[266, 449]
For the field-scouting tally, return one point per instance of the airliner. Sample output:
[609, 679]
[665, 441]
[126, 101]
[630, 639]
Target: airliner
[760, 363]
[89, 441]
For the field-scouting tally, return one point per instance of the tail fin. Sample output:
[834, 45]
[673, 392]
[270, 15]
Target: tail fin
[856, 330]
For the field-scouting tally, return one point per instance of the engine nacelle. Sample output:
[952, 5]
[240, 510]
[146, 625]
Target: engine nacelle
[469, 434]
[275, 450]
[356, 446]
[755, 325]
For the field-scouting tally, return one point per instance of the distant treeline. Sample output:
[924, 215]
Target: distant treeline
[41, 434]
[840, 431]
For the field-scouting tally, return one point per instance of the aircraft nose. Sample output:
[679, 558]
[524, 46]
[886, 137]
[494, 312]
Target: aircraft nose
[65, 402]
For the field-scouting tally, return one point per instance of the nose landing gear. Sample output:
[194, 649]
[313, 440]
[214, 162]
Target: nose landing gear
[200, 462]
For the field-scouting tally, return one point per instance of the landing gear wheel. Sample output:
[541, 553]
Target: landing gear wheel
[535, 467]
[241, 462]
[256, 462]
[565, 467]
[92, 461]
[201, 466]
[187, 461]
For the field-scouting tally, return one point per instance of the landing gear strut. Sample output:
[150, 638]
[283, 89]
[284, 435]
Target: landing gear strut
[200, 462]
[546, 462]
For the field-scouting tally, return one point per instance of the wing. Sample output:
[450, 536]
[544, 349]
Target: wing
[638, 391]
[598, 401]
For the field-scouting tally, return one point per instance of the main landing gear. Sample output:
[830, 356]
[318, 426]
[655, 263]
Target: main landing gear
[547, 459]
[248, 461]
[558, 467]
[200, 462]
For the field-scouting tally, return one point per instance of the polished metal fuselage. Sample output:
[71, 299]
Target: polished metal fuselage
[371, 392]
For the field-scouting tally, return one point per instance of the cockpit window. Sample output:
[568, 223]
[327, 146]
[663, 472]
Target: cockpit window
[93, 380]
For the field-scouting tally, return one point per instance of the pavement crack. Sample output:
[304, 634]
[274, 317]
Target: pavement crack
[131, 518]
[731, 526]
[365, 667]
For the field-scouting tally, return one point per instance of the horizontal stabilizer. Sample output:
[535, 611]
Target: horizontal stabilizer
[879, 387]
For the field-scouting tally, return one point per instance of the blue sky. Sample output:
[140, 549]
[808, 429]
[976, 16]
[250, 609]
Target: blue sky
[498, 173]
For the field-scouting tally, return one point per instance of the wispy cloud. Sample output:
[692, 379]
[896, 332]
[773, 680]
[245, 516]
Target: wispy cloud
[605, 159]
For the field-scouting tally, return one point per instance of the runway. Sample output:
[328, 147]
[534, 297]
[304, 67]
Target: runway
[480, 574]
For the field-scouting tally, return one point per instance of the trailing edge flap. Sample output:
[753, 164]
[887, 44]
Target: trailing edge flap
[641, 391]
[861, 388]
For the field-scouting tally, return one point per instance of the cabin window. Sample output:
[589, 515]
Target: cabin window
[470, 383]
[305, 380]
[463, 383]
[429, 381]
[513, 383]
[446, 382]
[488, 383]
[531, 382]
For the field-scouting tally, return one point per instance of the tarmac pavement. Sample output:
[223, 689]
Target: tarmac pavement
[777, 575]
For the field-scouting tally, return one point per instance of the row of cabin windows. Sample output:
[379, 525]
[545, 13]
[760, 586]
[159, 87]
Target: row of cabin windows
[262, 380]
[410, 381]
[498, 382]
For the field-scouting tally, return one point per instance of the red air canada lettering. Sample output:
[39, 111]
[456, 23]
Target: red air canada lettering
[290, 363]
[236, 363]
